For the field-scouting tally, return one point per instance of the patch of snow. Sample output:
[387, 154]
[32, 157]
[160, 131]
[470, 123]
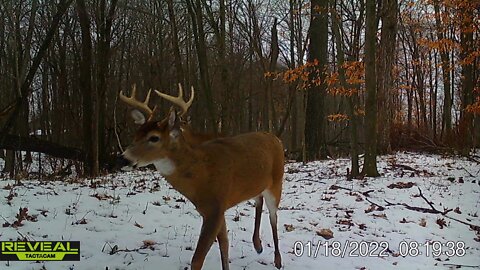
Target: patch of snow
[126, 210]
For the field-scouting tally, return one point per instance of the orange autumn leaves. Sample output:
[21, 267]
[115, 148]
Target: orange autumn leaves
[309, 75]
[475, 107]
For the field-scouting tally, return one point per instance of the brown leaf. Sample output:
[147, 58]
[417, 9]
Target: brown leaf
[148, 243]
[138, 225]
[101, 196]
[382, 215]
[180, 200]
[441, 222]
[82, 221]
[362, 226]
[345, 222]
[370, 209]
[457, 210]
[289, 227]
[325, 233]
[423, 222]
[401, 185]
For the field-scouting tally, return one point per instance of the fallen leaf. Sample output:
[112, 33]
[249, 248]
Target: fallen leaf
[370, 209]
[441, 222]
[382, 215]
[138, 225]
[148, 243]
[325, 233]
[401, 185]
[345, 222]
[289, 227]
[423, 222]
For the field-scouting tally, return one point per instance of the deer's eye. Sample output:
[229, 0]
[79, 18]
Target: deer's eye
[154, 139]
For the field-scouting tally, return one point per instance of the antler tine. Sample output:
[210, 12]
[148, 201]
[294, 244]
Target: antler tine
[132, 101]
[180, 91]
[184, 106]
[192, 94]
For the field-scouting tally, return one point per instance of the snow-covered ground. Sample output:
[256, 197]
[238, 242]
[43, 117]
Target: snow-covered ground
[135, 220]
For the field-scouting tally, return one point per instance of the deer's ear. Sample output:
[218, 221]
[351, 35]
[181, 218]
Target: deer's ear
[173, 120]
[138, 117]
[173, 124]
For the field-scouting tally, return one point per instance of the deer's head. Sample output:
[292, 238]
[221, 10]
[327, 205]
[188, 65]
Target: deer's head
[154, 139]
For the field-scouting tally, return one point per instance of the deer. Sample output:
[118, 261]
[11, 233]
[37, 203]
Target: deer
[214, 175]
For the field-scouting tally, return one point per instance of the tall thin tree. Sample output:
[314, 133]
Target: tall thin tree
[370, 162]
[315, 142]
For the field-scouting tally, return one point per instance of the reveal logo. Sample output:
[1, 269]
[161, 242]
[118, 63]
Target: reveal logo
[40, 251]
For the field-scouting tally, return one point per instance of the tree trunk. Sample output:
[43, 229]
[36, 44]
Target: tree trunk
[179, 74]
[315, 142]
[103, 59]
[355, 170]
[370, 163]
[196, 14]
[274, 51]
[467, 47]
[90, 98]
[447, 103]
[386, 60]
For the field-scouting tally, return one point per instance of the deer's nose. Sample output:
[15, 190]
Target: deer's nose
[123, 162]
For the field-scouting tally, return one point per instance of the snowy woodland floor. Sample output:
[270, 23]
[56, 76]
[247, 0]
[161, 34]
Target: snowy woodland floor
[135, 220]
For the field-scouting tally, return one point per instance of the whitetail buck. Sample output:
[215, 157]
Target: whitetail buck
[214, 175]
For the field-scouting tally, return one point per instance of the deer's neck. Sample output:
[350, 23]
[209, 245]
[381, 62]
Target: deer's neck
[184, 169]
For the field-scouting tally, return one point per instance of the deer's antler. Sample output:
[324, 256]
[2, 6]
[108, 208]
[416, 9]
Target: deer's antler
[132, 101]
[179, 101]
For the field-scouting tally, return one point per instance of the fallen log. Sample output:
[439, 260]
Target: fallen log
[33, 144]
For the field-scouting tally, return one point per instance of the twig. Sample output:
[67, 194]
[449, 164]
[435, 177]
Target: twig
[146, 207]
[24, 236]
[115, 124]
[367, 193]
[427, 201]
[469, 173]
[414, 208]
[335, 187]
[310, 180]
[461, 265]
[380, 207]
[433, 210]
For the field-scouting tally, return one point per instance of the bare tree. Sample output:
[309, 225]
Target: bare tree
[370, 163]
[315, 142]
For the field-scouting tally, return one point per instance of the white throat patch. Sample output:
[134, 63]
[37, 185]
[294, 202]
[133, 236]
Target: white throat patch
[165, 166]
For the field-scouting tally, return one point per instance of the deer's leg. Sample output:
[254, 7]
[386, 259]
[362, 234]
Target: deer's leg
[272, 205]
[222, 238]
[257, 243]
[210, 229]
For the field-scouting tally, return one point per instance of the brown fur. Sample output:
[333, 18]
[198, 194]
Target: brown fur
[216, 175]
